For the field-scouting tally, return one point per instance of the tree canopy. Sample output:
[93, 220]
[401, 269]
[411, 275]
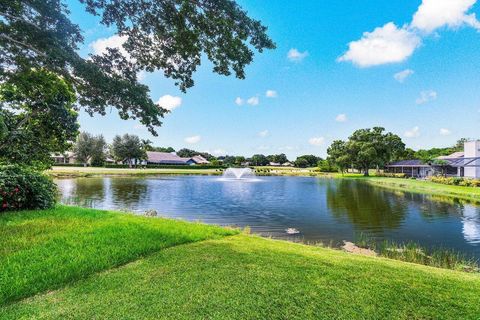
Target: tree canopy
[307, 160]
[90, 148]
[172, 36]
[128, 148]
[37, 117]
[366, 149]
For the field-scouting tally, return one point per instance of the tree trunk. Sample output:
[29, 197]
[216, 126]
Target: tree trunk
[365, 173]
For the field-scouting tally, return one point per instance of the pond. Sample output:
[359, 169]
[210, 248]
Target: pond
[323, 210]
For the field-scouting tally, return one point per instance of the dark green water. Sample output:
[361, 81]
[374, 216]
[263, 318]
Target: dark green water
[323, 210]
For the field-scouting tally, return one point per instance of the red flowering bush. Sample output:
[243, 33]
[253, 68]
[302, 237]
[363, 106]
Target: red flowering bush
[23, 188]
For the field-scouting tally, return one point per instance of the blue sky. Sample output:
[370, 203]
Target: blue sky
[333, 72]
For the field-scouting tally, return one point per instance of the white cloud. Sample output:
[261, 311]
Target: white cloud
[316, 141]
[239, 101]
[341, 118]
[426, 96]
[263, 147]
[434, 14]
[100, 46]
[403, 75]
[169, 102]
[390, 44]
[445, 132]
[263, 133]
[253, 101]
[412, 133]
[296, 56]
[271, 94]
[387, 44]
[193, 139]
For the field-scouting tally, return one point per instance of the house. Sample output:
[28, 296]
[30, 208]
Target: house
[166, 158]
[200, 160]
[459, 164]
[288, 164]
[274, 164]
[63, 158]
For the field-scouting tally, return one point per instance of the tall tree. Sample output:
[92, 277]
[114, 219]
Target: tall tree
[259, 160]
[90, 149]
[37, 117]
[367, 149]
[171, 36]
[338, 155]
[128, 148]
[307, 160]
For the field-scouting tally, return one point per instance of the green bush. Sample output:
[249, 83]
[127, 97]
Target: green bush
[391, 175]
[456, 181]
[23, 188]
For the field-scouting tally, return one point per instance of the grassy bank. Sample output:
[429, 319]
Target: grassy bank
[423, 186]
[238, 277]
[44, 250]
[66, 172]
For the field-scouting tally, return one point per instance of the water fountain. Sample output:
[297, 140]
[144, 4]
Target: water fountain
[238, 174]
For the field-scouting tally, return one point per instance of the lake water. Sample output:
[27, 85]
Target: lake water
[325, 210]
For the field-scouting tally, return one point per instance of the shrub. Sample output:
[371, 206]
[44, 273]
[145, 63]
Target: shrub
[456, 181]
[23, 188]
[391, 175]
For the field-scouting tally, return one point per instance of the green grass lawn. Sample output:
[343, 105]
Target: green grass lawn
[236, 277]
[44, 250]
[97, 171]
[428, 187]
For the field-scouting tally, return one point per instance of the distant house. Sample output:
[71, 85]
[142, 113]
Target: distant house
[274, 164]
[63, 158]
[458, 164]
[288, 164]
[166, 158]
[200, 160]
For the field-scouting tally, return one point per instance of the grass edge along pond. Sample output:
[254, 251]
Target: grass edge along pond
[46, 249]
[240, 276]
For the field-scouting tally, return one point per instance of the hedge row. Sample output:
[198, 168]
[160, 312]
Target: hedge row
[166, 166]
[456, 181]
[149, 166]
[391, 175]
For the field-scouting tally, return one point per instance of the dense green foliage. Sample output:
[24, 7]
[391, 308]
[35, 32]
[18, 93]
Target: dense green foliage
[277, 158]
[188, 153]
[171, 36]
[128, 148]
[366, 149]
[456, 181]
[308, 160]
[37, 117]
[259, 160]
[44, 250]
[90, 149]
[246, 277]
[23, 188]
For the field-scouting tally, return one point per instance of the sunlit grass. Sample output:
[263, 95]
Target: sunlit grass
[247, 277]
[44, 250]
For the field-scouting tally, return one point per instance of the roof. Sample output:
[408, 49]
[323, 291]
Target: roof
[454, 155]
[200, 160]
[408, 163]
[165, 158]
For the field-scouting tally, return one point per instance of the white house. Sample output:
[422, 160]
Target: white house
[459, 164]
[472, 159]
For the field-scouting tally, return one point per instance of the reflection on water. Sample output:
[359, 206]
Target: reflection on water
[323, 210]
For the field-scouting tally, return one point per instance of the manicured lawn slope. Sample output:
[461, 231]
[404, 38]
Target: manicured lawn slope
[428, 187]
[44, 250]
[247, 277]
